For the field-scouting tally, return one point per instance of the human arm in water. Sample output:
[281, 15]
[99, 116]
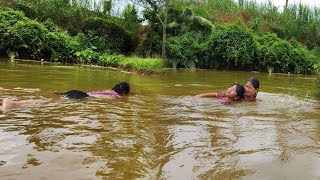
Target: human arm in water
[212, 95]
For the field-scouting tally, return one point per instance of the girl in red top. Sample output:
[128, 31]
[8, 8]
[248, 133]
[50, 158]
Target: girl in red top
[233, 93]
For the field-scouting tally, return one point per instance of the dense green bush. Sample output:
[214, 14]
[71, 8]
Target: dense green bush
[106, 35]
[57, 10]
[76, 20]
[316, 68]
[51, 26]
[69, 15]
[150, 46]
[8, 19]
[83, 41]
[184, 50]
[30, 39]
[278, 29]
[28, 9]
[59, 46]
[27, 39]
[277, 55]
[304, 61]
[231, 46]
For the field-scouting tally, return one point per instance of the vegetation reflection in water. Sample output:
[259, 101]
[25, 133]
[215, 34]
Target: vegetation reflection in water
[160, 131]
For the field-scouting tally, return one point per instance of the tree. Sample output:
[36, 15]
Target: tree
[132, 22]
[188, 20]
[107, 6]
[241, 3]
[286, 3]
[160, 9]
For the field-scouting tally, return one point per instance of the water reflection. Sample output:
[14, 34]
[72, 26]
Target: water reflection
[160, 131]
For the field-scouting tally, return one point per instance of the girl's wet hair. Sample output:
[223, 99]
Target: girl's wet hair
[240, 90]
[122, 88]
[255, 83]
[73, 94]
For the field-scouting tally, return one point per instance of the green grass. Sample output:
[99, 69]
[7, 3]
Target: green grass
[142, 65]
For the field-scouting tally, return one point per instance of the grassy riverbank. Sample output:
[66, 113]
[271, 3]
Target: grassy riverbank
[141, 65]
[137, 64]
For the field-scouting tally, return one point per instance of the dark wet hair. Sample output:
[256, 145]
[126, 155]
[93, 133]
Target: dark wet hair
[73, 94]
[255, 83]
[122, 88]
[240, 90]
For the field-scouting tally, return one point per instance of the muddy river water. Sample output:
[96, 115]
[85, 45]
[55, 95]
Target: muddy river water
[160, 131]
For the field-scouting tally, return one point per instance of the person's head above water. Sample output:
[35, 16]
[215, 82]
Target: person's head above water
[122, 88]
[235, 92]
[252, 87]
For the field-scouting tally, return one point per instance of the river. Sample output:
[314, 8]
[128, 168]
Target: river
[160, 131]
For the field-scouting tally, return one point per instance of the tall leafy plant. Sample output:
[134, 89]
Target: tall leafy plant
[232, 45]
[105, 35]
[183, 50]
[27, 38]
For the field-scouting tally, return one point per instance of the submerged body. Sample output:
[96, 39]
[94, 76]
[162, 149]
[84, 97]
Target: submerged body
[121, 88]
[116, 92]
[76, 94]
[233, 93]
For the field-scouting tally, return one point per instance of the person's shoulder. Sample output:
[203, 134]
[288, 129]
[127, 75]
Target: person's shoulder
[221, 95]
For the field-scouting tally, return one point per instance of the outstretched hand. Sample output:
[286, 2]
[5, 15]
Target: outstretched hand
[206, 95]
